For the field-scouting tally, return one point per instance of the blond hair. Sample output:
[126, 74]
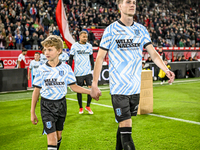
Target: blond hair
[119, 1]
[53, 40]
[82, 32]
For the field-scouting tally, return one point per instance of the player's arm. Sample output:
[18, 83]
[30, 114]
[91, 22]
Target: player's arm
[18, 62]
[79, 89]
[159, 62]
[29, 72]
[95, 92]
[70, 60]
[35, 97]
[92, 61]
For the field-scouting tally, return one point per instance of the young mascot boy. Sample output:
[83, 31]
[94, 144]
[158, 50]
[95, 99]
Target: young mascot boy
[51, 82]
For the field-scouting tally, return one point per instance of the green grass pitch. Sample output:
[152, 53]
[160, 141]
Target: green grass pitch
[97, 132]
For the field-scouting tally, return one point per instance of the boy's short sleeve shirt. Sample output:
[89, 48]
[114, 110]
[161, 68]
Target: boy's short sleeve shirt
[53, 81]
[125, 45]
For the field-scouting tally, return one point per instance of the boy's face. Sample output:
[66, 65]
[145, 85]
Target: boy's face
[37, 57]
[128, 7]
[51, 53]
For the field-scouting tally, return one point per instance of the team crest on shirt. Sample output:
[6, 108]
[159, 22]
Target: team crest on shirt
[118, 111]
[49, 125]
[61, 73]
[137, 32]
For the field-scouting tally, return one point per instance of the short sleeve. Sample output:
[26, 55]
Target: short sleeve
[71, 77]
[66, 57]
[20, 58]
[106, 39]
[30, 66]
[91, 50]
[147, 38]
[37, 82]
[72, 51]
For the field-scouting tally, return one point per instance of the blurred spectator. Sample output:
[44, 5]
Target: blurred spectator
[187, 44]
[179, 58]
[27, 40]
[52, 28]
[26, 28]
[35, 40]
[183, 58]
[1, 26]
[91, 37]
[195, 58]
[19, 39]
[2, 42]
[10, 41]
[45, 22]
[32, 30]
[56, 31]
[4, 32]
[160, 52]
[174, 59]
[190, 59]
[33, 12]
[149, 60]
[41, 38]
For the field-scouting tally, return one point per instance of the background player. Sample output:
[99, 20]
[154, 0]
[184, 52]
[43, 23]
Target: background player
[43, 58]
[21, 59]
[34, 65]
[82, 53]
[124, 41]
[51, 82]
[64, 57]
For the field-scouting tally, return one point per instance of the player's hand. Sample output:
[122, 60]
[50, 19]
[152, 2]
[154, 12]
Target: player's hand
[95, 92]
[34, 118]
[170, 75]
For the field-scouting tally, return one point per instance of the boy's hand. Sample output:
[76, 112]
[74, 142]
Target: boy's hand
[34, 118]
[95, 92]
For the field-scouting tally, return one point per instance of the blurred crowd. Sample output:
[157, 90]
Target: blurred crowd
[25, 23]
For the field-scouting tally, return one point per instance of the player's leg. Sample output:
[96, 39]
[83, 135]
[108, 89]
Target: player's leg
[59, 138]
[122, 111]
[88, 80]
[80, 82]
[52, 141]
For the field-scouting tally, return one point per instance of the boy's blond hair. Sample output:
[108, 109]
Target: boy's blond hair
[119, 1]
[53, 40]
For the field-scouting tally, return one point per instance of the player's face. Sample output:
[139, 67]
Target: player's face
[83, 38]
[51, 53]
[128, 7]
[37, 57]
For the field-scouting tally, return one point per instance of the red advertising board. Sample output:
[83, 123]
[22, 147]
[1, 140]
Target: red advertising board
[97, 33]
[10, 57]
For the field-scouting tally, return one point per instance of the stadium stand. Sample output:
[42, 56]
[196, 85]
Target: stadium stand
[170, 23]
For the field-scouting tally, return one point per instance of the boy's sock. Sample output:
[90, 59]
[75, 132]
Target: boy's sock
[127, 141]
[52, 147]
[58, 143]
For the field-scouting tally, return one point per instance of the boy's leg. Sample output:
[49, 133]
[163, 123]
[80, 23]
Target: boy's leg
[52, 141]
[79, 96]
[88, 80]
[118, 141]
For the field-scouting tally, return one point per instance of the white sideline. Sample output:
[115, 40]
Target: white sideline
[161, 116]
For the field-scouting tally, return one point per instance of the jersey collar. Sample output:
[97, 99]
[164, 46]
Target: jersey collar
[119, 21]
[56, 66]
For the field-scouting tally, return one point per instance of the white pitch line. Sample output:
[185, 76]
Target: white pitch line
[161, 116]
[177, 119]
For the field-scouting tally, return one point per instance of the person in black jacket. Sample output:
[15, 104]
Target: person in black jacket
[27, 41]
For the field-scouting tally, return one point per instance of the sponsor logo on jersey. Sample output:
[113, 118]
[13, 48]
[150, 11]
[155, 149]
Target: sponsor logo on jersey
[82, 52]
[126, 43]
[52, 82]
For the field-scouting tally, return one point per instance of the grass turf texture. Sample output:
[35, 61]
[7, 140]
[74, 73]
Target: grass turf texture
[97, 132]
